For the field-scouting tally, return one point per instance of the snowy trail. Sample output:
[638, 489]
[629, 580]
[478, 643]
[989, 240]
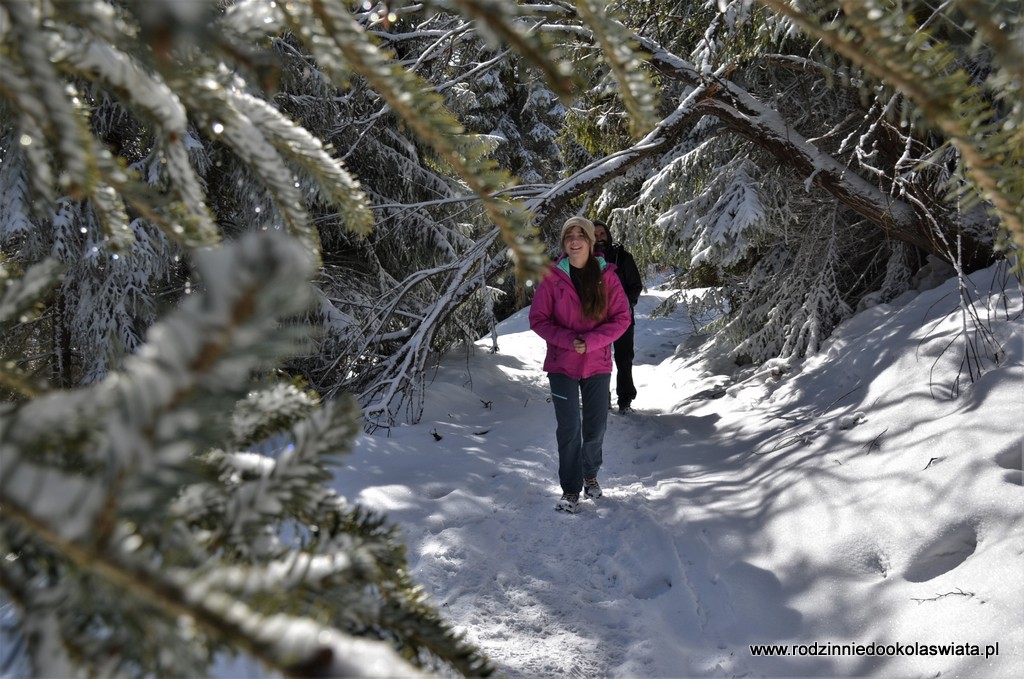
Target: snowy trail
[601, 593]
[577, 583]
[760, 511]
[627, 587]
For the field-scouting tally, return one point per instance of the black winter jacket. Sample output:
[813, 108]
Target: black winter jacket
[627, 270]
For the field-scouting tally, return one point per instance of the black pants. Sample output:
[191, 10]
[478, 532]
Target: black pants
[625, 390]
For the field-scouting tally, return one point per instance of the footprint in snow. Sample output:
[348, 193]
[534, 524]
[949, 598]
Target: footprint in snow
[1012, 460]
[944, 554]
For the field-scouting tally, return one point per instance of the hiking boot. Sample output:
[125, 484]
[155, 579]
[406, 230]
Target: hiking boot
[591, 488]
[570, 502]
[625, 408]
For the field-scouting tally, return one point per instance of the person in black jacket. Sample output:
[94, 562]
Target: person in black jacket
[633, 284]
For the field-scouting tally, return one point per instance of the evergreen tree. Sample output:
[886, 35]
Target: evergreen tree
[812, 154]
[806, 157]
[164, 493]
[150, 523]
[141, 533]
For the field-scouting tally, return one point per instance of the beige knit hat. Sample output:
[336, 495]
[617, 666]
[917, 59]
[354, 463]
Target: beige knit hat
[583, 223]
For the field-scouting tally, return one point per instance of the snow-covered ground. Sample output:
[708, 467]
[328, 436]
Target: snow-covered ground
[840, 501]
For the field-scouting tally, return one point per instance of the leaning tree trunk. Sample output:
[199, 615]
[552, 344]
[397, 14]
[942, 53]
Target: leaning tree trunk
[745, 115]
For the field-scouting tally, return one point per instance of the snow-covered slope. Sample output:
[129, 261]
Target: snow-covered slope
[841, 501]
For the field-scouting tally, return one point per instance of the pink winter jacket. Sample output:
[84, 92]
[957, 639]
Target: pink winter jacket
[555, 315]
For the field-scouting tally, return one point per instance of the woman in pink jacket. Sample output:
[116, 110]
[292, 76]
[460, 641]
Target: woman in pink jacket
[579, 309]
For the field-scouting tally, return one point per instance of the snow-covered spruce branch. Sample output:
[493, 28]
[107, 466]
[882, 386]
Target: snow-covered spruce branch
[44, 94]
[362, 342]
[792, 296]
[252, 491]
[745, 115]
[473, 72]
[296, 143]
[30, 114]
[98, 61]
[822, 308]
[250, 139]
[85, 173]
[292, 645]
[20, 295]
[106, 489]
[144, 416]
[79, 55]
[368, 312]
[123, 431]
[548, 205]
[397, 380]
[979, 344]
[393, 305]
[499, 21]
[948, 98]
[424, 112]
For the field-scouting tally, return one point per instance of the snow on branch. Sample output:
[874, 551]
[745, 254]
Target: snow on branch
[120, 530]
[335, 30]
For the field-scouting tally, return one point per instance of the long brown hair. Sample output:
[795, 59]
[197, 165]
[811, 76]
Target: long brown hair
[593, 295]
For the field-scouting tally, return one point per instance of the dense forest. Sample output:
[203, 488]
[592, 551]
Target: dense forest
[229, 222]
